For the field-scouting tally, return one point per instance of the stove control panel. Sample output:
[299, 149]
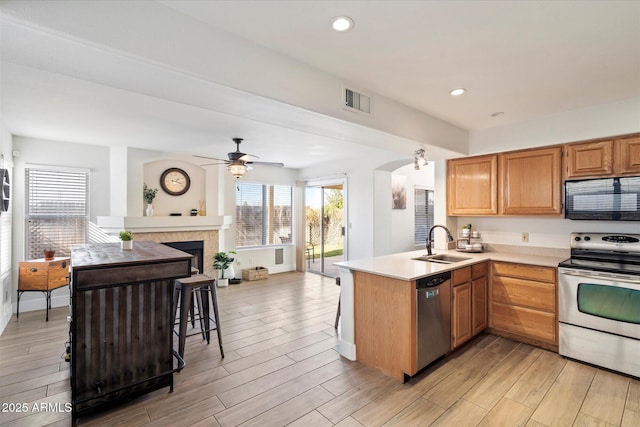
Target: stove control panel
[604, 241]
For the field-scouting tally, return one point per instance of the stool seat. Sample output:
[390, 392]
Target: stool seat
[201, 286]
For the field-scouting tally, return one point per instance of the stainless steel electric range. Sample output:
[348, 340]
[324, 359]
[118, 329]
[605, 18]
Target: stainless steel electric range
[599, 301]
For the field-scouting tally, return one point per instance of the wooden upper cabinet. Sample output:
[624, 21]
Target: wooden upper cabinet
[627, 159]
[613, 157]
[531, 182]
[589, 159]
[472, 186]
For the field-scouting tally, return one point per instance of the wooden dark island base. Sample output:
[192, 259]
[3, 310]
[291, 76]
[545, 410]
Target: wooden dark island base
[122, 321]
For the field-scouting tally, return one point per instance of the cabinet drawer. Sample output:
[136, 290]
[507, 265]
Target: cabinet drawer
[523, 321]
[537, 295]
[479, 270]
[461, 275]
[33, 276]
[524, 271]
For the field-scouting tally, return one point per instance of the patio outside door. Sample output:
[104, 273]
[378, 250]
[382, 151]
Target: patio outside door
[324, 229]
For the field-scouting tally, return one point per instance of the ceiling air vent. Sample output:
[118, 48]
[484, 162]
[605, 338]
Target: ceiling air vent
[357, 101]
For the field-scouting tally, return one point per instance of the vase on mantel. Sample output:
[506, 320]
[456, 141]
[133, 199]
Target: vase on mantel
[149, 210]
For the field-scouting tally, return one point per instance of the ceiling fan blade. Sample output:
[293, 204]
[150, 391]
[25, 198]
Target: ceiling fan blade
[274, 164]
[213, 164]
[210, 158]
[248, 157]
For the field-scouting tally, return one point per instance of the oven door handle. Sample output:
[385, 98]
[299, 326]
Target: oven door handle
[600, 276]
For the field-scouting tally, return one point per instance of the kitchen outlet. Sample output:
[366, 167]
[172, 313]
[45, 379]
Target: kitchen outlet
[525, 237]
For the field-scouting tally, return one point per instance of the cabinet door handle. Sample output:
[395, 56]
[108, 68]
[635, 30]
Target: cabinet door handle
[33, 270]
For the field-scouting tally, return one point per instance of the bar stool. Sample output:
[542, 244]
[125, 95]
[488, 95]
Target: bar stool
[201, 286]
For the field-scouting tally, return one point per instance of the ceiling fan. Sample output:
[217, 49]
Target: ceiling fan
[239, 163]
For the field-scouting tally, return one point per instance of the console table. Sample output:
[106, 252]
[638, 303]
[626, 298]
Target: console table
[42, 275]
[122, 321]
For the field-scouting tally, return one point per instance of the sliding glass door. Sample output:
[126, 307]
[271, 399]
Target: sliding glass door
[324, 228]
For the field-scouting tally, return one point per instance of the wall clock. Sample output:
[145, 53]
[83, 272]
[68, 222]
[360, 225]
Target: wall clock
[175, 181]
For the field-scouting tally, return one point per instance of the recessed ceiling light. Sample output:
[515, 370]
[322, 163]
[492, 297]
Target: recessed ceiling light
[342, 23]
[497, 114]
[458, 91]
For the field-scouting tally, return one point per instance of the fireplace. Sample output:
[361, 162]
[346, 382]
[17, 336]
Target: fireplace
[195, 248]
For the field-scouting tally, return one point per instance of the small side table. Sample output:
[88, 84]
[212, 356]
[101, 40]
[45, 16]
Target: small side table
[42, 276]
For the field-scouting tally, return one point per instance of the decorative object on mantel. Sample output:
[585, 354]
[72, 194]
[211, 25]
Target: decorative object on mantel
[49, 254]
[126, 240]
[175, 214]
[194, 212]
[202, 211]
[149, 195]
[175, 181]
[223, 262]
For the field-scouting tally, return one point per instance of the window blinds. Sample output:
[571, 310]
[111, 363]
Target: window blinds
[263, 214]
[423, 214]
[56, 210]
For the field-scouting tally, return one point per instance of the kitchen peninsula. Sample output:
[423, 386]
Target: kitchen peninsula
[379, 311]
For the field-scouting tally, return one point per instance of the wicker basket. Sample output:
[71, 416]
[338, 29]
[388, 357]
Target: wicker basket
[257, 273]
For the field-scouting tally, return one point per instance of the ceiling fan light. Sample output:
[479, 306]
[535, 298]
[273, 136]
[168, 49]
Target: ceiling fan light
[237, 169]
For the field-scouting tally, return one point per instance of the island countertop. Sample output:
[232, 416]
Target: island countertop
[402, 266]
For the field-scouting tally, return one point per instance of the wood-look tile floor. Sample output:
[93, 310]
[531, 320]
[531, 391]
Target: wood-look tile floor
[281, 368]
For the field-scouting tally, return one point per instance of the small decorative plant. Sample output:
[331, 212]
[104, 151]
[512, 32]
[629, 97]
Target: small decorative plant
[49, 253]
[222, 261]
[149, 193]
[125, 235]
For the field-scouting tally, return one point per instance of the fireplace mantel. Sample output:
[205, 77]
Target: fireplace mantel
[150, 224]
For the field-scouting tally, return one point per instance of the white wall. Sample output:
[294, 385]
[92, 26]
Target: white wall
[394, 228]
[34, 151]
[164, 203]
[6, 289]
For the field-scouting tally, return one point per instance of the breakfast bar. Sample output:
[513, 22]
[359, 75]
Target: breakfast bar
[380, 311]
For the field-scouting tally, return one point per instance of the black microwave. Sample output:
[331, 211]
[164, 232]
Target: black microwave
[610, 199]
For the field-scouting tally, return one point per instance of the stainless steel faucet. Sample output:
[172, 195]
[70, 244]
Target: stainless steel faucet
[430, 238]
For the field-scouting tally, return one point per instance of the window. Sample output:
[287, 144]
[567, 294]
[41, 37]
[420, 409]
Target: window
[423, 214]
[57, 211]
[263, 215]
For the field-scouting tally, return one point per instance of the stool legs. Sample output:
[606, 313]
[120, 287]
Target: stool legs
[190, 295]
[214, 298]
[185, 305]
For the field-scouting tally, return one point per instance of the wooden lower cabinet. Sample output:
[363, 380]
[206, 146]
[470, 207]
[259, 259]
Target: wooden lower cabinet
[524, 303]
[461, 314]
[385, 323]
[469, 303]
[479, 308]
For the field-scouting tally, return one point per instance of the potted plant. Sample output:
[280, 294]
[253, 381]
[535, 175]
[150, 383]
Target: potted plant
[222, 261]
[49, 254]
[149, 195]
[126, 240]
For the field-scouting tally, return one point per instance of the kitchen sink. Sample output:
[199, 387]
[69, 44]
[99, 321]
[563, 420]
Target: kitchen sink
[441, 259]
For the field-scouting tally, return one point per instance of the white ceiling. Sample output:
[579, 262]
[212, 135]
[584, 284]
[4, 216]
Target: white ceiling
[527, 59]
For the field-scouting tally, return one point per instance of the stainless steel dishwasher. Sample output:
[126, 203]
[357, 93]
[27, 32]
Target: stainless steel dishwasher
[433, 313]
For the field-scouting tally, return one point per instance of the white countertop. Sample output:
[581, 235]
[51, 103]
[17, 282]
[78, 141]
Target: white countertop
[402, 266]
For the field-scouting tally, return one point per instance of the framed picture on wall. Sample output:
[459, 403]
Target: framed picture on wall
[399, 191]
